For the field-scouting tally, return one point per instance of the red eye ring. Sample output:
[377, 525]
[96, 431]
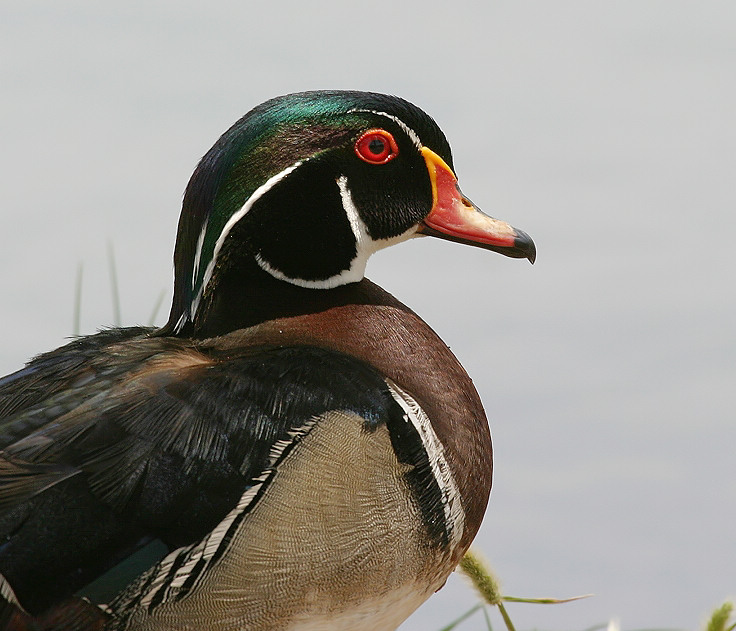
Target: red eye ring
[376, 146]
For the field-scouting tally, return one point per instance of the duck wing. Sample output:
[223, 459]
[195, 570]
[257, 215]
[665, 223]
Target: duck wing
[120, 447]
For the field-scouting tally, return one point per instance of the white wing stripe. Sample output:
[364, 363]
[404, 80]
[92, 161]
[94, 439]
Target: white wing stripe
[452, 505]
[208, 548]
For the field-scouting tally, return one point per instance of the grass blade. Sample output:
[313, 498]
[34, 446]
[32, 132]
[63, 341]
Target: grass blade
[114, 284]
[156, 308]
[465, 616]
[76, 318]
[720, 617]
[545, 601]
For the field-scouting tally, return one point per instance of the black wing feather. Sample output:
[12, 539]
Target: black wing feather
[139, 438]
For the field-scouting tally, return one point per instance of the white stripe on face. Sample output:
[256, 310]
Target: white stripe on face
[234, 219]
[407, 130]
[365, 246]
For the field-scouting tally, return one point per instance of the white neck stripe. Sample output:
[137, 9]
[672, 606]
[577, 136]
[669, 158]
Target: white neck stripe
[364, 245]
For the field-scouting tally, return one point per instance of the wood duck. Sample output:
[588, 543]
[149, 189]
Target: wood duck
[294, 448]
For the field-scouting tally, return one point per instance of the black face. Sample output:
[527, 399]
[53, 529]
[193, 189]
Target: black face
[391, 196]
[301, 227]
[288, 184]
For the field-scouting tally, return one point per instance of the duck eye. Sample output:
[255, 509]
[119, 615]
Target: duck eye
[376, 146]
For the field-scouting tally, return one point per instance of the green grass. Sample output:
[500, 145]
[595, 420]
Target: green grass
[487, 586]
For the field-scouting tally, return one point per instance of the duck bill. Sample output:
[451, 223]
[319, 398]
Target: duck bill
[455, 218]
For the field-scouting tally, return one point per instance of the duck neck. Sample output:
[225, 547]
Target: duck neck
[246, 295]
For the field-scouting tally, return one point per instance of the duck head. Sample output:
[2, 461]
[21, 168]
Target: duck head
[303, 189]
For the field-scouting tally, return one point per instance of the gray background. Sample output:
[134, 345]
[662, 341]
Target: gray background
[604, 129]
